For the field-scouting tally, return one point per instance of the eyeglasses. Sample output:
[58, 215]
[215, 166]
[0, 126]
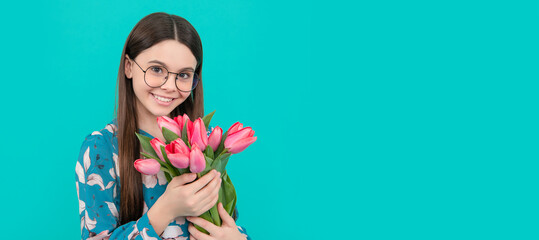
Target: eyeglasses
[157, 76]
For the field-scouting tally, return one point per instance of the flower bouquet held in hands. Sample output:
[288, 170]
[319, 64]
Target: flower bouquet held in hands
[188, 149]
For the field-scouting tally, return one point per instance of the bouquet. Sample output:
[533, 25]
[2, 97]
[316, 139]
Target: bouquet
[188, 149]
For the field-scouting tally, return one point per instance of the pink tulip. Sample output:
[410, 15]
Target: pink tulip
[169, 124]
[180, 120]
[235, 127]
[215, 138]
[178, 153]
[197, 162]
[197, 134]
[147, 166]
[239, 138]
[156, 145]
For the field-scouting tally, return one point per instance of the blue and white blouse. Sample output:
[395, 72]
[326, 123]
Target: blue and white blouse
[98, 187]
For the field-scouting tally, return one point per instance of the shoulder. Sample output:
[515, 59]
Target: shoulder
[102, 138]
[99, 145]
[97, 161]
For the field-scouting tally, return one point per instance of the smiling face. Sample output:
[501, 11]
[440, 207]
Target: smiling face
[160, 101]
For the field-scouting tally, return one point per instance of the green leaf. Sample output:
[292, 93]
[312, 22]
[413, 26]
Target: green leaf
[230, 193]
[163, 164]
[215, 215]
[220, 162]
[145, 143]
[208, 166]
[169, 135]
[222, 197]
[206, 216]
[184, 134]
[209, 151]
[169, 178]
[165, 170]
[229, 208]
[222, 144]
[184, 170]
[206, 119]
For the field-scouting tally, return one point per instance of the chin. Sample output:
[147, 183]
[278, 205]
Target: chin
[163, 112]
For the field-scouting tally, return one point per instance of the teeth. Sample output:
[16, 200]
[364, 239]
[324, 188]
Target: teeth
[162, 98]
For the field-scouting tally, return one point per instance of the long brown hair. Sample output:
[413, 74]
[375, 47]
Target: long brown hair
[149, 31]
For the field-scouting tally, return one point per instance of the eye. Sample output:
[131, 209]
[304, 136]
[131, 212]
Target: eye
[184, 75]
[156, 69]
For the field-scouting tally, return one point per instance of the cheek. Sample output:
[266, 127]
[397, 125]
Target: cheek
[140, 88]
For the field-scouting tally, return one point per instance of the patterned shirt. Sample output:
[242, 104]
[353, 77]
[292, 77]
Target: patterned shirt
[98, 188]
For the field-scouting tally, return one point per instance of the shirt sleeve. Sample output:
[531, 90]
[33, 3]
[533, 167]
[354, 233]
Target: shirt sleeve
[240, 228]
[97, 191]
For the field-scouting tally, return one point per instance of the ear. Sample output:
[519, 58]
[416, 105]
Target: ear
[127, 70]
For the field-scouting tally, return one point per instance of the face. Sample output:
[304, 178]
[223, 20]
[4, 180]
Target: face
[160, 101]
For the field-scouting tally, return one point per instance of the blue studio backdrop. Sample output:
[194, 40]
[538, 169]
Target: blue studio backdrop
[375, 119]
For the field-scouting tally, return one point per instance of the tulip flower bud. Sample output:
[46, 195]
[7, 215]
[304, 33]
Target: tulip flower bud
[156, 144]
[215, 138]
[197, 162]
[197, 134]
[147, 166]
[178, 160]
[169, 124]
[239, 139]
[178, 153]
[181, 120]
[235, 127]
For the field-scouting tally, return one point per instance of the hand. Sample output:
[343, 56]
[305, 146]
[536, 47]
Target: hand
[227, 231]
[183, 198]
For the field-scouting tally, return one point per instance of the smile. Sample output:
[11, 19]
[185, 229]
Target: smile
[162, 99]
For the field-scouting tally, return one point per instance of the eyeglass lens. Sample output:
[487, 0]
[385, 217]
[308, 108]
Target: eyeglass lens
[157, 76]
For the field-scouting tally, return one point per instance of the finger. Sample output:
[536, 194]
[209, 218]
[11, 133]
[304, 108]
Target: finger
[198, 234]
[227, 219]
[192, 238]
[183, 179]
[203, 181]
[209, 189]
[210, 227]
[209, 203]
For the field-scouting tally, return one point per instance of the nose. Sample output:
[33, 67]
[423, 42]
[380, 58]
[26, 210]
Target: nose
[170, 84]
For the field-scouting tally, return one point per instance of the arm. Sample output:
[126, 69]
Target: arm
[99, 201]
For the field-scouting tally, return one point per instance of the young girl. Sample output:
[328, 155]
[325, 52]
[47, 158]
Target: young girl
[160, 75]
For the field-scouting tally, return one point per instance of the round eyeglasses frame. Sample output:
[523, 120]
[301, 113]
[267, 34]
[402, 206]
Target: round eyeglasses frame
[195, 77]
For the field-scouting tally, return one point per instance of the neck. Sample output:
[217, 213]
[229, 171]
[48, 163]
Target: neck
[148, 122]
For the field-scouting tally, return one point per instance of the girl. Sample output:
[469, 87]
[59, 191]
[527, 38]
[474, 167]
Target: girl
[160, 74]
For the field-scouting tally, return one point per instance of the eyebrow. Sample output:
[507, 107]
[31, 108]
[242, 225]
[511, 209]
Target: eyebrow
[162, 63]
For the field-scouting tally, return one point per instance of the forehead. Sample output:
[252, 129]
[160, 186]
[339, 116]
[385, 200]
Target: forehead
[171, 52]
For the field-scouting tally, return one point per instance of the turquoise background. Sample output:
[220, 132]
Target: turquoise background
[375, 119]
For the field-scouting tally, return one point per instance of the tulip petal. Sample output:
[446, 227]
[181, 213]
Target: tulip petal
[234, 137]
[242, 144]
[156, 144]
[189, 130]
[169, 124]
[147, 166]
[179, 121]
[235, 127]
[198, 134]
[179, 160]
[180, 147]
[197, 162]
[215, 138]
